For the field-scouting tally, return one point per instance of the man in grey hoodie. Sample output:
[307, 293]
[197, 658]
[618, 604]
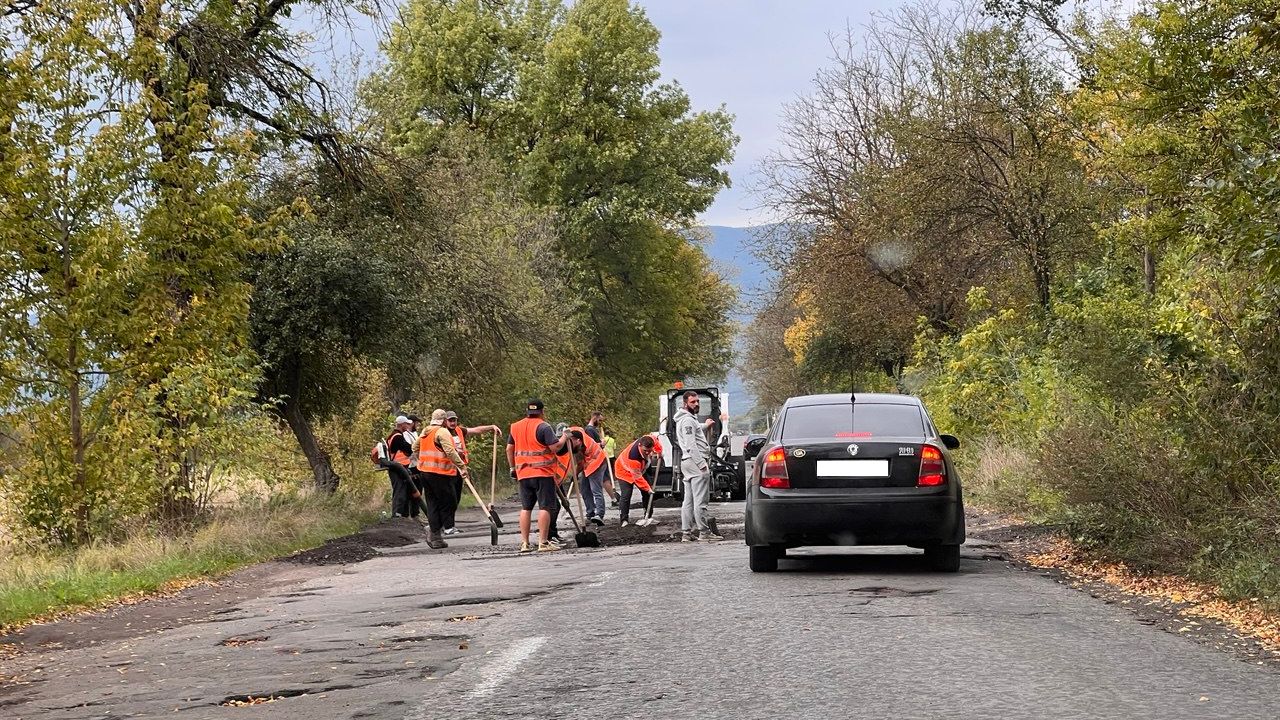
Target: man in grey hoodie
[695, 452]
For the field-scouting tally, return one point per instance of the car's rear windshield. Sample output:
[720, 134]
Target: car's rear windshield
[866, 420]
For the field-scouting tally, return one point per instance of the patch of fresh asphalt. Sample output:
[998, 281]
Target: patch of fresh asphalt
[667, 630]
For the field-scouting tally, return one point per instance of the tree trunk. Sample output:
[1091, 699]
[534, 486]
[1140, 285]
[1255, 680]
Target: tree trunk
[79, 484]
[1149, 269]
[321, 467]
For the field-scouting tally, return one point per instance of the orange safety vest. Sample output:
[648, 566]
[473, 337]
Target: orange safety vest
[592, 453]
[626, 469]
[399, 457]
[460, 442]
[533, 459]
[431, 459]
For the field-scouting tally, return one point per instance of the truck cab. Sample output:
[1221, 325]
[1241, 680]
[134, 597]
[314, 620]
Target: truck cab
[727, 478]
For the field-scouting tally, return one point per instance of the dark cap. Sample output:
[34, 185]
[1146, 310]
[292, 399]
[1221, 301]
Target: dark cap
[534, 406]
[451, 415]
[415, 418]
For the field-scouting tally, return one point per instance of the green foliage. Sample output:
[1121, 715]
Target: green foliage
[567, 101]
[124, 236]
[1130, 390]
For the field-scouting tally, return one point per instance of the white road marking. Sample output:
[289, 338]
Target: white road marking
[504, 665]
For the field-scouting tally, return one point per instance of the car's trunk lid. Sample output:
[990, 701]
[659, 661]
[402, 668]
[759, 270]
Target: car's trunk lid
[854, 462]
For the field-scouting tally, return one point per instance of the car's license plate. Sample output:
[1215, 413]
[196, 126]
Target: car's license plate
[853, 468]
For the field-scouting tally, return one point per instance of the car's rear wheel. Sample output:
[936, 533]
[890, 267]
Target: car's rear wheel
[943, 558]
[764, 558]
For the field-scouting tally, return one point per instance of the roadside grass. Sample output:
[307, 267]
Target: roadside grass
[1158, 524]
[1005, 477]
[34, 587]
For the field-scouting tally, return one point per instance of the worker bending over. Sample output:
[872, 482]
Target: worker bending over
[590, 460]
[629, 470]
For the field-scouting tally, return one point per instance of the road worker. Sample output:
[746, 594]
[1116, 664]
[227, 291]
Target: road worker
[399, 452]
[460, 434]
[439, 462]
[590, 461]
[629, 469]
[415, 477]
[532, 446]
[595, 426]
[610, 446]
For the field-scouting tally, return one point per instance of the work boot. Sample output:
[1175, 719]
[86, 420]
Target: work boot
[435, 542]
[599, 521]
[709, 536]
[548, 547]
[686, 536]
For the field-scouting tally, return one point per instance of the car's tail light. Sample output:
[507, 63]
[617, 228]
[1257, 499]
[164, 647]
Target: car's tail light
[933, 471]
[774, 473]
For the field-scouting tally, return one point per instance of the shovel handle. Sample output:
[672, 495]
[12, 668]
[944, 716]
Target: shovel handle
[648, 513]
[573, 467]
[568, 507]
[488, 509]
[493, 471]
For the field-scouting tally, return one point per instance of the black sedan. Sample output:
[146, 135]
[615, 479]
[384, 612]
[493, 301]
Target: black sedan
[863, 469]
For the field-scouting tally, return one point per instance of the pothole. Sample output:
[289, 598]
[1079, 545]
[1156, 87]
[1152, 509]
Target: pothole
[882, 591]
[263, 699]
[270, 697]
[243, 640]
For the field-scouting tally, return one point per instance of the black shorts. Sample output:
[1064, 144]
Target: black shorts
[540, 491]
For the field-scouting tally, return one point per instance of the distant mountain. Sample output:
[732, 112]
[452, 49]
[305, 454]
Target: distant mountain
[734, 252]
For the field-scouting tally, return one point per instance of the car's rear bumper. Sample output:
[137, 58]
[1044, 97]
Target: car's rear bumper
[908, 519]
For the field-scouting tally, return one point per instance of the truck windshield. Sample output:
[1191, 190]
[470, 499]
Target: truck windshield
[866, 420]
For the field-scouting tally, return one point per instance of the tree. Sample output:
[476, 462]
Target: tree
[570, 101]
[127, 153]
[430, 273]
[932, 157]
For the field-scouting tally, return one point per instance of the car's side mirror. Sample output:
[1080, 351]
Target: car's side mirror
[951, 441]
[751, 447]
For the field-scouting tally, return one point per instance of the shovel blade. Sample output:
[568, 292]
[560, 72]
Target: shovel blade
[586, 540]
[493, 536]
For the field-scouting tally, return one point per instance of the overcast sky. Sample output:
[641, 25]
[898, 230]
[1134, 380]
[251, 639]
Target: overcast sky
[750, 55]
[753, 56]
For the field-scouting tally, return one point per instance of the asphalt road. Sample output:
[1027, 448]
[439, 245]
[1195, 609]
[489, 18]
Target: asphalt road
[666, 630]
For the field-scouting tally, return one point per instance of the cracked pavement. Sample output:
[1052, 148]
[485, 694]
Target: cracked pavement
[665, 630]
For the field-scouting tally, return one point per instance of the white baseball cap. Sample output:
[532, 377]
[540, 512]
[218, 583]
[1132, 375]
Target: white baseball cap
[402, 419]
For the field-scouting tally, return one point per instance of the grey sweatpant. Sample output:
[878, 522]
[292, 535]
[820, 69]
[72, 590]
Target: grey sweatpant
[697, 494]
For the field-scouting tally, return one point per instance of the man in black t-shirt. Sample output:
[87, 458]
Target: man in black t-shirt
[399, 454]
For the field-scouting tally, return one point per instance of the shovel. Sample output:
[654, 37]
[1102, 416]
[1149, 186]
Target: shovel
[493, 490]
[493, 514]
[584, 538]
[648, 512]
